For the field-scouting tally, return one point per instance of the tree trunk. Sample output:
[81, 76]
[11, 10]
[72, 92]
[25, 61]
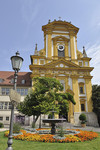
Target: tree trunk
[98, 119]
[40, 122]
[34, 121]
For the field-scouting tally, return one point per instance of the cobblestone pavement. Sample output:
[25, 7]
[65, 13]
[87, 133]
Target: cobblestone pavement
[3, 129]
[87, 128]
[69, 126]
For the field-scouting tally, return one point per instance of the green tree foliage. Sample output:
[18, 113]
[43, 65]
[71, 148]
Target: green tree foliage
[63, 102]
[96, 100]
[16, 128]
[82, 117]
[1, 125]
[44, 97]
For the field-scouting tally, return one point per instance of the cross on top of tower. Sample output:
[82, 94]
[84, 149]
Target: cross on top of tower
[36, 46]
[59, 18]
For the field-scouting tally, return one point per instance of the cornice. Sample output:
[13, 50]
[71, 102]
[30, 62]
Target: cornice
[84, 58]
[74, 76]
[35, 56]
[88, 77]
[46, 67]
[82, 96]
[86, 68]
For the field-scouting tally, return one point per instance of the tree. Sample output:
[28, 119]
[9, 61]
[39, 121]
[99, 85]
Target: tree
[45, 96]
[63, 102]
[96, 100]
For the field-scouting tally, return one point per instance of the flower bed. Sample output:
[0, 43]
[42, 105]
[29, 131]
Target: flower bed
[86, 135]
[79, 137]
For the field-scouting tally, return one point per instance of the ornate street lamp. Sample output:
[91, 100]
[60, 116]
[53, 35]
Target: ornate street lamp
[16, 65]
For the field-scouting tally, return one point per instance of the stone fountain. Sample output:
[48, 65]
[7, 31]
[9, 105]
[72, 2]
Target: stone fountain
[53, 121]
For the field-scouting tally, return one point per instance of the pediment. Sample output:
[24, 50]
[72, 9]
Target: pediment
[61, 63]
[60, 24]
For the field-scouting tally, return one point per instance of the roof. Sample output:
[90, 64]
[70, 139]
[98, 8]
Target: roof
[55, 23]
[7, 76]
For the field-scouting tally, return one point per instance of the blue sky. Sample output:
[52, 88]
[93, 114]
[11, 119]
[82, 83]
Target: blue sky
[21, 23]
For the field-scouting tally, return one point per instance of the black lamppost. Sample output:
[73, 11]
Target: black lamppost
[16, 65]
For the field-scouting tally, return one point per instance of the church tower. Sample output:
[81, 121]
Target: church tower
[60, 40]
[61, 59]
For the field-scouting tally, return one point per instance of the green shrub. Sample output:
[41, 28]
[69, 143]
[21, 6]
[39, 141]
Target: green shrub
[33, 124]
[61, 132]
[1, 125]
[50, 116]
[16, 128]
[82, 117]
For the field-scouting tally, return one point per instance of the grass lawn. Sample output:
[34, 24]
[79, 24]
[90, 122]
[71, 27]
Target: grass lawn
[25, 145]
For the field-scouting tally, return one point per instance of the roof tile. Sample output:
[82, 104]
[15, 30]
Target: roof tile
[8, 75]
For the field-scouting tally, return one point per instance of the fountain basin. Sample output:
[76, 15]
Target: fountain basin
[53, 122]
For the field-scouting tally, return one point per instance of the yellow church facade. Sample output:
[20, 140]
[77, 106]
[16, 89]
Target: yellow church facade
[61, 59]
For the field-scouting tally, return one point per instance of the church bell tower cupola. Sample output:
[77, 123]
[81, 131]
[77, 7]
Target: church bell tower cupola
[60, 40]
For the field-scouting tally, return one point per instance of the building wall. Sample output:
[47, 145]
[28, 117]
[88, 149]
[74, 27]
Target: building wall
[5, 110]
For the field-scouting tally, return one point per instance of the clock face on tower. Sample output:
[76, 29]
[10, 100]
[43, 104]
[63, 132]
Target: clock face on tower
[60, 47]
[61, 52]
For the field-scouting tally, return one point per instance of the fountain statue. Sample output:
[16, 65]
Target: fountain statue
[53, 121]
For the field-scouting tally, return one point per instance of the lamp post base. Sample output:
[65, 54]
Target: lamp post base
[10, 141]
[9, 148]
[10, 137]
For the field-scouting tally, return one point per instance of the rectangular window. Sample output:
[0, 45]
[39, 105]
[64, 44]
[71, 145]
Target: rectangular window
[26, 91]
[1, 118]
[82, 107]
[81, 90]
[5, 91]
[22, 91]
[9, 107]
[5, 105]
[18, 90]
[1, 105]
[7, 118]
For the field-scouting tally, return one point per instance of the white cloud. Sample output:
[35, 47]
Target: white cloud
[30, 10]
[98, 23]
[94, 52]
